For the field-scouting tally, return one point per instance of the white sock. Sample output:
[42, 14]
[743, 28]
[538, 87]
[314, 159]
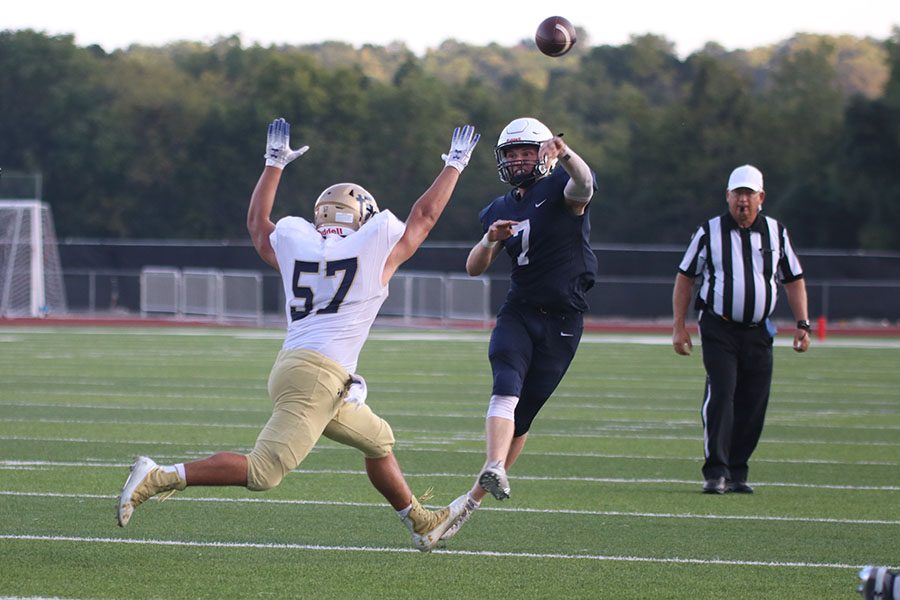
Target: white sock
[403, 513]
[177, 468]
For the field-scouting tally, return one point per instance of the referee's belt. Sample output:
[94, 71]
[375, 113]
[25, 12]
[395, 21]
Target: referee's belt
[737, 324]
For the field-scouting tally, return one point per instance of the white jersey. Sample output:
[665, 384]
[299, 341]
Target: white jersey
[333, 283]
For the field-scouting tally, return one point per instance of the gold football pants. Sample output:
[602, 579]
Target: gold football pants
[307, 391]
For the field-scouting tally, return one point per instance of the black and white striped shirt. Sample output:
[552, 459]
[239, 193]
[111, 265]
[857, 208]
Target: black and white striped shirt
[740, 267]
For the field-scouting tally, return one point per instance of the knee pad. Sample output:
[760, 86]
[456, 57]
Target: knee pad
[267, 465]
[503, 407]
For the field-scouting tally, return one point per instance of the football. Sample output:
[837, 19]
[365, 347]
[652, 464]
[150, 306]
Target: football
[555, 36]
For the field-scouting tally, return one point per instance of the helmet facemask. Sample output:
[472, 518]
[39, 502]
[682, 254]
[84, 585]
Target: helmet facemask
[510, 170]
[343, 208]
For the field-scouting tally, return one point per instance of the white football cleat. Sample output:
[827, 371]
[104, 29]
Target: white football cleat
[494, 481]
[427, 526]
[468, 509]
[145, 481]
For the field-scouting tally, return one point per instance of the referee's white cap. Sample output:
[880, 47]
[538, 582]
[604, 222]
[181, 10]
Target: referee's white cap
[746, 176]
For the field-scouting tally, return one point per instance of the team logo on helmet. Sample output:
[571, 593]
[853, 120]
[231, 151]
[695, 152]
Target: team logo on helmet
[343, 208]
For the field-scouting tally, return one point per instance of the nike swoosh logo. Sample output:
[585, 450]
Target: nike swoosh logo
[564, 334]
[538, 204]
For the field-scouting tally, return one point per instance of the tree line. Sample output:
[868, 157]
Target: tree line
[167, 142]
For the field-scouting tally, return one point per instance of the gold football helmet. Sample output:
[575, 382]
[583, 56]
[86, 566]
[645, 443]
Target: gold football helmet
[344, 208]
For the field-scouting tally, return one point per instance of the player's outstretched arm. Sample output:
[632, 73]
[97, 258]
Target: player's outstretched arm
[580, 187]
[278, 155]
[428, 208]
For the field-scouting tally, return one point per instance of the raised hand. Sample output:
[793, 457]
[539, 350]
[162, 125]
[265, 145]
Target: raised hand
[461, 146]
[278, 145]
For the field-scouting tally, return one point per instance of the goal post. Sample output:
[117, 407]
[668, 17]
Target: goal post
[31, 278]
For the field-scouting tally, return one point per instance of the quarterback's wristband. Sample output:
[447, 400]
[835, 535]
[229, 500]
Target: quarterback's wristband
[803, 324]
[487, 243]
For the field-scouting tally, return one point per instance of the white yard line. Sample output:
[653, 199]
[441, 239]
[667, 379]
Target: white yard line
[544, 511]
[16, 334]
[320, 548]
[416, 447]
[45, 464]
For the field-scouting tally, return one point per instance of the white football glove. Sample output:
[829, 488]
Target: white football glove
[357, 392]
[278, 145]
[461, 146]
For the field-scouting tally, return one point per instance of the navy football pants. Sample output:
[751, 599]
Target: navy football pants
[530, 351]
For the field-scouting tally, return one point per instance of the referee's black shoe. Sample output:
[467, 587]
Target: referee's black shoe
[879, 583]
[715, 485]
[738, 487]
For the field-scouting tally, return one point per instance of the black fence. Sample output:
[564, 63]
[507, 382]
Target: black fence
[635, 282]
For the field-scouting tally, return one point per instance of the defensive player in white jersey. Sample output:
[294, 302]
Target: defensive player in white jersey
[335, 273]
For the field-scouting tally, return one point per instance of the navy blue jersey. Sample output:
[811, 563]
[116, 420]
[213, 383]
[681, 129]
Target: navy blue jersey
[553, 265]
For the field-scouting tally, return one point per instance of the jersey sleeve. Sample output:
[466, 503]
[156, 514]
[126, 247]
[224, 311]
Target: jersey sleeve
[484, 217]
[789, 263]
[694, 259]
[286, 225]
[391, 229]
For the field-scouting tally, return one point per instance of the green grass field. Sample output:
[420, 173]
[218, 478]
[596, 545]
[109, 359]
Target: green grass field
[605, 503]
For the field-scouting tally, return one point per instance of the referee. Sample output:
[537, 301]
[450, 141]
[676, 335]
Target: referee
[740, 255]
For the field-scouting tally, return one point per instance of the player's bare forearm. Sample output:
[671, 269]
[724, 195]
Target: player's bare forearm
[488, 247]
[422, 218]
[428, 208]
[259, 222]
[479, 259]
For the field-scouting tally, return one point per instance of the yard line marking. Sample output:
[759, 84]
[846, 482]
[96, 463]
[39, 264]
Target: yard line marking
[386, 334]
[414, 447]
[616, 480]
[792, 420]
[321, 548]
[263, 407]
[28, 438]
[546, 511]
[598, 432]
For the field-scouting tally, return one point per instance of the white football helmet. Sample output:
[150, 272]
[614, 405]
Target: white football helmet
[522, 131]
[343, 208]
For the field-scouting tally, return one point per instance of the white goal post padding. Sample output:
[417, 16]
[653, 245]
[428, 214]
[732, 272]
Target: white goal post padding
[31, 278]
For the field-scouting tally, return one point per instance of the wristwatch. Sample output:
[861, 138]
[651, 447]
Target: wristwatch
[804, 324]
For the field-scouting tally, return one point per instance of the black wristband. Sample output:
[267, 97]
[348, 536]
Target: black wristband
[803, 325]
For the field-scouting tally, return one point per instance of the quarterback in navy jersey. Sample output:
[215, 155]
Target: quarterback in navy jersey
[552, 261]
[543, 224]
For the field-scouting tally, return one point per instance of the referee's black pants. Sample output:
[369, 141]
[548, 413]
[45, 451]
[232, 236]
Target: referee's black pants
[738, 362]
